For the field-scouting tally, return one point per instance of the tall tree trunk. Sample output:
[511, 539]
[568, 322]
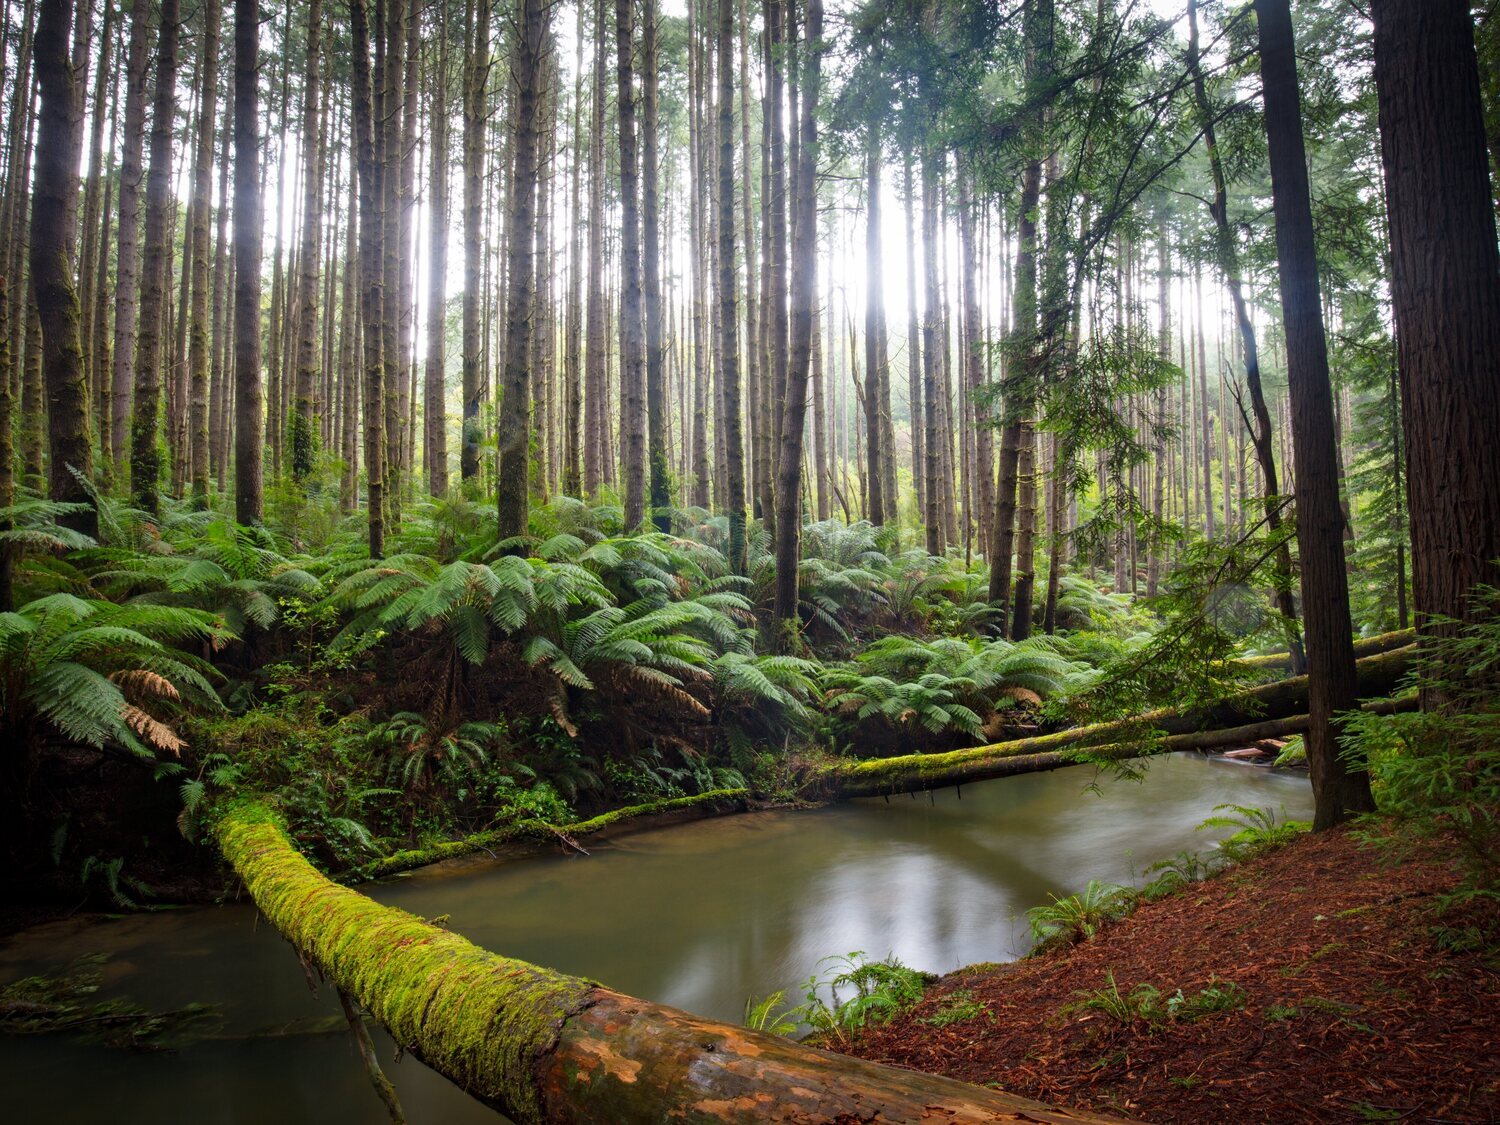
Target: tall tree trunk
[932, 347]
[127, 269]
[303, 433]
[249, 399]
[95, 240]
[804, 309]
[572, 474]
[476, 107]
[984, 434]
[145, 457]
[434, 410]
[656, 389]
[201, 210]
[59, 147]
[596, 367]
[917, 425]
[1023, 332]
[875, 358]
[632, 375]
[728, 313]
[1446, 294]
[1338, 789]
[372, 304]
[515, 404]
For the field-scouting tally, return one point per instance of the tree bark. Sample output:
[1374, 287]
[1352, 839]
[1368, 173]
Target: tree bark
[875, 348]
[632, 375]
[1339, 788]
[1446, 295]
[476, 80]
[434, 396]
[804, 309]
[728, 310]
[515, 405]
[145, 458]
[59, 143]
[304, 437]
[540, 1046]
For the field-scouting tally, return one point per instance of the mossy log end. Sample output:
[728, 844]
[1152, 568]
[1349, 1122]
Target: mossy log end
[541, 1046]
[1379, 675]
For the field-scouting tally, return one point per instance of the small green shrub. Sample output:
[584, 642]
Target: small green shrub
[957, 1007]
[1076, 918]
[1147, 1003]
[1259, 830]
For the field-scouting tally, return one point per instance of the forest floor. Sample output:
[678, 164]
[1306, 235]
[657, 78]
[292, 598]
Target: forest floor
[1356, 1004]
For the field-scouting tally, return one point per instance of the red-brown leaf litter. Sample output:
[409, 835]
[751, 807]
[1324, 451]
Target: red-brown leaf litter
[1355, 1011]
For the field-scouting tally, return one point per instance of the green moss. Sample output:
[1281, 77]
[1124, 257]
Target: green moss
[409, 858]
[477, 1017]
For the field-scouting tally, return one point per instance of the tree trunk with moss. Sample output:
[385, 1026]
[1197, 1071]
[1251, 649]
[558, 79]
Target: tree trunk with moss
[145, 457]
[59, 142]
[515, 403]
[303, 438]
[541, 1046]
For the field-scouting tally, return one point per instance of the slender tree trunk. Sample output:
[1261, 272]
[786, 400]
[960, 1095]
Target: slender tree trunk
[632, 398]
[874, 327]
[1023, 331]
[515, 404]
[916, 426]
[804, 309]
[127, 269]
[59, 147]
[201, 210]
[1338, 789]
[304, 437]
[372, 304]
[1446, 295]
[656, 389]
[434, 409]
[728, 312]
[476, 106]
[984, 433]
[249, 400]
[145, 457]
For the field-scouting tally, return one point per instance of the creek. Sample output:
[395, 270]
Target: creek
[699, 915]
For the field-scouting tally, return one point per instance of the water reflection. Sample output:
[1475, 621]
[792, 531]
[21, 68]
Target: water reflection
[699, 916]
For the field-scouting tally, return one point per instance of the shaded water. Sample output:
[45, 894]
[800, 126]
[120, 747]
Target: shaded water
[699, 916]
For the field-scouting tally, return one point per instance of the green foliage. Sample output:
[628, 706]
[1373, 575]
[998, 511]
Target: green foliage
[770, 1015]
[860, 992]
[1257, 830]
[1145, 1003]
[957, 1007]
[1436, 773]
[1079, 917]
[103, 674]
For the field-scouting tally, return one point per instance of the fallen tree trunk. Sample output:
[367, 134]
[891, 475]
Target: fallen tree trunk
[541, 1046]
[1365, 646]
[1130, 738]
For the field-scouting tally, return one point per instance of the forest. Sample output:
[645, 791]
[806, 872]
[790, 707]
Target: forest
[675, 490]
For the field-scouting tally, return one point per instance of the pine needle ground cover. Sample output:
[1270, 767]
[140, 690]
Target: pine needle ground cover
[1345, 1000]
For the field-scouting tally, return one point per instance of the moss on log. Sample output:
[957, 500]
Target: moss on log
[538, 830]
[1365, 646]
[1378, 676]
[541, 1046]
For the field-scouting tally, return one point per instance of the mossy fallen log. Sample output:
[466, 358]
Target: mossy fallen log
[1365, 646]
[541, 1046]
[538, 830]
[1174, 729]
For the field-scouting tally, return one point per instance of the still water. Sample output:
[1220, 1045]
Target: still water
[699, 916]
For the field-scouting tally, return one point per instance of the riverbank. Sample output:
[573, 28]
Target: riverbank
[1349, 1001]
